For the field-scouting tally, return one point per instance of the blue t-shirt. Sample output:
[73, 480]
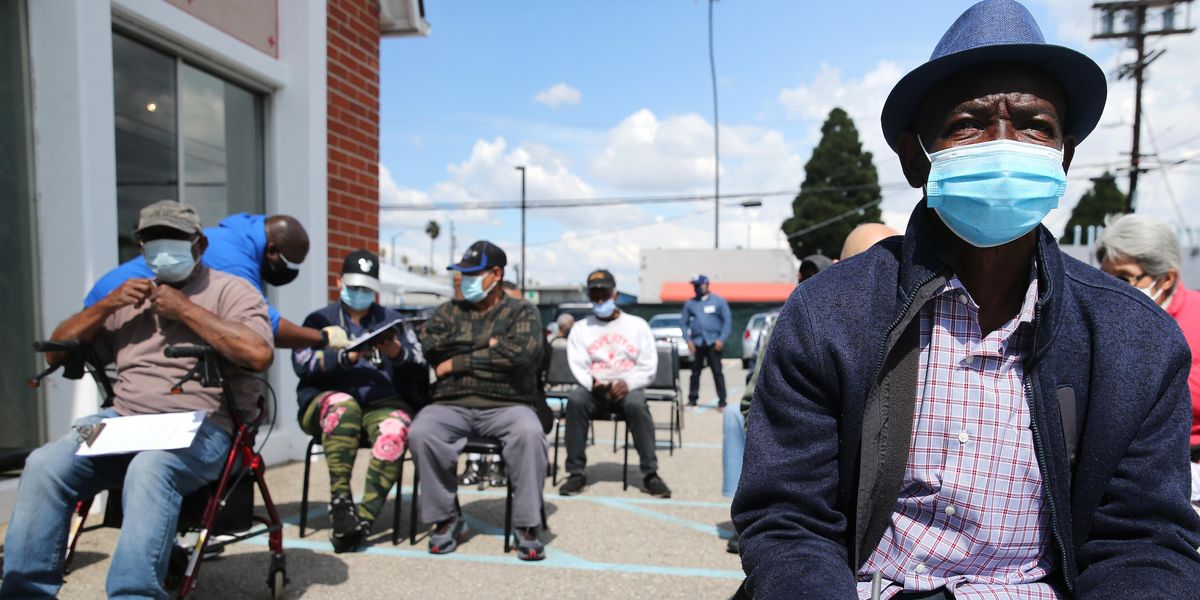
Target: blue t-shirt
[235, 246]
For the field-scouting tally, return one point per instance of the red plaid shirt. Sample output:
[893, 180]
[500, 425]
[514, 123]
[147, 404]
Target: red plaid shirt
[969, 515]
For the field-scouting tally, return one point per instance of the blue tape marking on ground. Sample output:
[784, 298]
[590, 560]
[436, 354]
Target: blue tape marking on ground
[665, 518]
[554, 559]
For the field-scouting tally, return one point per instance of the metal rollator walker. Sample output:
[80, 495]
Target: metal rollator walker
[224, 507]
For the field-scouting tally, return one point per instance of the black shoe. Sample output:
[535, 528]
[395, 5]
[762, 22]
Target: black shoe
[471, 473]
[734, 546]
[496, 475]
[573, 485]
[656, 487]
[347, 532]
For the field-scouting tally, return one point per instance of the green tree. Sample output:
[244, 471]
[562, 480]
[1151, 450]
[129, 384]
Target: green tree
[1102, 200]
[838, 178]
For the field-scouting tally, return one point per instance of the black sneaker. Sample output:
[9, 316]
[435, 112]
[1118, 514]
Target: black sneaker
[656, 487]
[529, 546]
[573, 485]
[471, 473]
[734, 546]
[346, 532]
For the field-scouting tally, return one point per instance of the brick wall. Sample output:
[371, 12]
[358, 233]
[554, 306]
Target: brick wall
[353, 81]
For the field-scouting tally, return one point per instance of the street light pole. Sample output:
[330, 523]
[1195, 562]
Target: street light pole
[752, 203]
[394, 236]
[522, 274]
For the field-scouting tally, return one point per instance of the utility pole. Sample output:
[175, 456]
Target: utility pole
[712, 65]
[522, 273]
[453, 242]
[1136, 15]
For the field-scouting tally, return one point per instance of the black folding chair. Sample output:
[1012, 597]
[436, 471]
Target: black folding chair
[309, 452]
[225, 506]
[484, 446]
[666, 388]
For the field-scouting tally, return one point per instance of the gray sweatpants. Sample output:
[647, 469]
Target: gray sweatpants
[582, 406]
[437, 437]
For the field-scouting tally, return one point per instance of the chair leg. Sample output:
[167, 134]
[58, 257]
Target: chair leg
[78, 518]
[625, 466]
[614, 422]
[398, 501]
[412, 515]
[554, 465]
[508, 518]
[304, 490]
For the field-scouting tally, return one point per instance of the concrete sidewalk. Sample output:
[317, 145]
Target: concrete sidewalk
[605, 542]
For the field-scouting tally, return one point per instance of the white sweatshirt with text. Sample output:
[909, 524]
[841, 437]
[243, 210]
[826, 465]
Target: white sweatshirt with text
[622, 348]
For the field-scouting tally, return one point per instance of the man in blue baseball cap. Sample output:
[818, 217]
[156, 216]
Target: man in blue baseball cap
[706, 325]
[965, 412]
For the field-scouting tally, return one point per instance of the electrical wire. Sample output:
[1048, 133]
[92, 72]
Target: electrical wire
[1166, 179]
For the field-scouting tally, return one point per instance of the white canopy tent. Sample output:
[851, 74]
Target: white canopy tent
[401, 287]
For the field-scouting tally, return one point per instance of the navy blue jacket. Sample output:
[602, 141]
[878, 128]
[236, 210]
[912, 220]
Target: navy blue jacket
[831, 421]
[405, 379]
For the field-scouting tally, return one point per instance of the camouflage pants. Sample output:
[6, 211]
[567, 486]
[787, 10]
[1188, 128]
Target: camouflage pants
[343, 424]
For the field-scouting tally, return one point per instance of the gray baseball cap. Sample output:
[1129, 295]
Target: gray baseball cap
[169, 213]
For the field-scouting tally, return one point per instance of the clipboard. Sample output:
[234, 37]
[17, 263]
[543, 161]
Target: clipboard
[367, 340]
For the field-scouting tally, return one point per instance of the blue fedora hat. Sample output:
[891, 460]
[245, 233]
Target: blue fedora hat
[1000, 31]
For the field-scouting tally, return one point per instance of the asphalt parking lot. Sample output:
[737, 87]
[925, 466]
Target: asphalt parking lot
[605, 542]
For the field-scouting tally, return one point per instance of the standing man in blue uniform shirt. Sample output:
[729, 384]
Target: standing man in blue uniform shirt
[260, 249]
[706, 325]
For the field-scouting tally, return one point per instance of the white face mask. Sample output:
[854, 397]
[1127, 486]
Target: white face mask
[1152, 295]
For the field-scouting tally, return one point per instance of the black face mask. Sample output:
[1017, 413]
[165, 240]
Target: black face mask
[277, 273]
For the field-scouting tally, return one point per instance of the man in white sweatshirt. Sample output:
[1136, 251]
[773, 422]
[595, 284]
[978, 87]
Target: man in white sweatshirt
[613, 357]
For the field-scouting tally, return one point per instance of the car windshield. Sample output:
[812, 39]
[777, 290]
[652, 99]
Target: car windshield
[662, 321]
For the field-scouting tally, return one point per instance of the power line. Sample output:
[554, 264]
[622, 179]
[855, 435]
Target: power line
[632, 200]
[832, 220]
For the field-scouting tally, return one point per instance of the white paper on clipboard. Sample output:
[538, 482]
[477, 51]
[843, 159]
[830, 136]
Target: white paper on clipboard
[123, 435]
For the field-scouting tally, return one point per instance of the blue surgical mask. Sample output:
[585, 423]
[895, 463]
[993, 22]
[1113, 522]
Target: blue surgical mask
[171, 260]
[472, 288]
[992, 193]
[357, 298]
[605, 309]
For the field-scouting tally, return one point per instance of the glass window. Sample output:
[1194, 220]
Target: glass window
[20, 405]
[173, 117]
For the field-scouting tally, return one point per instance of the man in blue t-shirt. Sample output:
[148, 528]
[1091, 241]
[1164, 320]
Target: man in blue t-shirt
[706, 325]
[260, 249]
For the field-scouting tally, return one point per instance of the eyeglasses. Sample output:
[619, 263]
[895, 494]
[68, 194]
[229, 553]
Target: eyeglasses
[1132, 279]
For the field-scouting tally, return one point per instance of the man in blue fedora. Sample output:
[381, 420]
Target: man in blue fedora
[965, 412]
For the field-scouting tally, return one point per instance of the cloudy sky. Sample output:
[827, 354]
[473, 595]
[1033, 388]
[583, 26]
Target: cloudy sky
[613, 99]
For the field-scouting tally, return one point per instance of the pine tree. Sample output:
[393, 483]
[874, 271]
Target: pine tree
[1102, 200]
[838, 178]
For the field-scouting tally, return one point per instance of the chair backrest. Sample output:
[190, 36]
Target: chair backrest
[666, 377]
[559, 372]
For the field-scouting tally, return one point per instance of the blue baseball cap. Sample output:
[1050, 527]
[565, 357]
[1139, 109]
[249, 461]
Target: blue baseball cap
[1000, 31]
[699, 279]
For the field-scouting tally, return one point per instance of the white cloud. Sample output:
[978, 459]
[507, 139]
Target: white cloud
[558, 95]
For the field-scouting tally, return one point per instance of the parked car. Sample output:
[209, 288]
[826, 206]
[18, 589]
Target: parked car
[750, 337]
[668, 327]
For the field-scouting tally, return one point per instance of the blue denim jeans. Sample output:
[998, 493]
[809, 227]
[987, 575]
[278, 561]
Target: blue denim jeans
[153, 485]
[733, 446]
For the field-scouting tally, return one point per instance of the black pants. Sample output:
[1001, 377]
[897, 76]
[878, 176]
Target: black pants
[582, 407]
[712, 356]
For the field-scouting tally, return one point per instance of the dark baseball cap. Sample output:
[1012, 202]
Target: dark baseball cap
[601, 278]
[818, 262]
[482, 255]
[169, 213]
[699, 279]
[361, 269]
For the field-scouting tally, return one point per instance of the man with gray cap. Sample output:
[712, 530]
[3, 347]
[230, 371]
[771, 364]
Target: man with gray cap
[966, 412]
[186, 303]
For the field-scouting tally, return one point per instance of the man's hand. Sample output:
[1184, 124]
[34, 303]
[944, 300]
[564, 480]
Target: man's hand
[169, 302]
[618, 390]
[444, 368]
[492, 342]
[720, 346]
[601, 389]
[691, 347]
[131, 293]
[391, 346]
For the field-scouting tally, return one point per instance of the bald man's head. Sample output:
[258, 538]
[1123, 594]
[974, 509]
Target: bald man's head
[864, 236]
[288, 237]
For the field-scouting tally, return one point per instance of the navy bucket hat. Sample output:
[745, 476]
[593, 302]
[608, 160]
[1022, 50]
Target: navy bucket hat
[1000, 31]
